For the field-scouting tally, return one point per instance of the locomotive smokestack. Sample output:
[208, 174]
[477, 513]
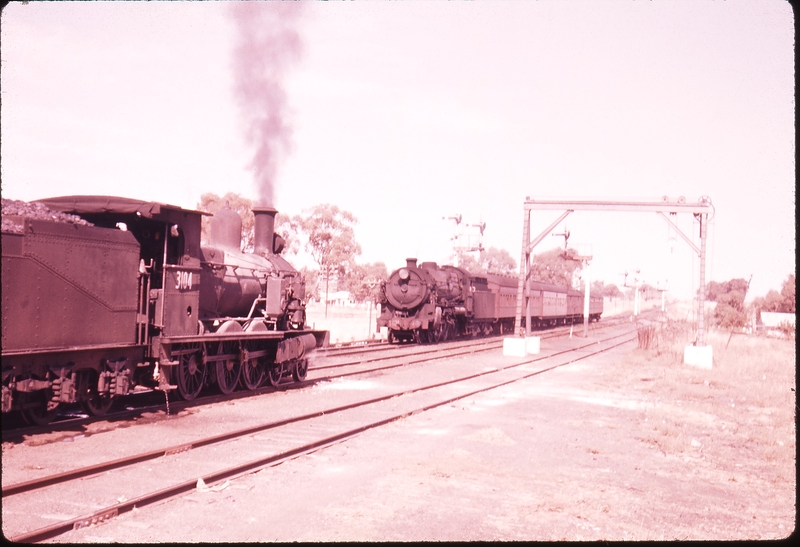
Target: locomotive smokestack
[411, 262]
[264, 230]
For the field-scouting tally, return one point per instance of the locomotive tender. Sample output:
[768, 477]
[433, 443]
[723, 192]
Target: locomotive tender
[92, 311]
[430, 303]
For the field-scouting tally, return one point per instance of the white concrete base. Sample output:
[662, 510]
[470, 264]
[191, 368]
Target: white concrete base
[520, 347]
[699, 356]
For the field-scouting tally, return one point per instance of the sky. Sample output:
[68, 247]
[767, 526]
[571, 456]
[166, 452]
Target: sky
[408, 113]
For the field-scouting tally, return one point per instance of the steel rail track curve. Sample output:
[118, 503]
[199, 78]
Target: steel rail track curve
[42, 482]
[109, 512]
[411, 350]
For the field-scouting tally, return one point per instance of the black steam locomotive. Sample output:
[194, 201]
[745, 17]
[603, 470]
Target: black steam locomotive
[430, 303]
[129, 297]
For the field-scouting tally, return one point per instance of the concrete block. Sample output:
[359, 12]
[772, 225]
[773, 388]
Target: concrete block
[699, 356]
[520, 347]
[515, 347]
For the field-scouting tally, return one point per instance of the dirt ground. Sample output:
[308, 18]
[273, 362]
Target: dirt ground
[631, 445]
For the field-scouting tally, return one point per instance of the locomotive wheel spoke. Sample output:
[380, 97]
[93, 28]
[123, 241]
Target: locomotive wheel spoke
[274, 374]
[35, 407]
[228, 370]
[252, 373]
[191, 375]
[98, 405]
[300, 370]
[39, 415]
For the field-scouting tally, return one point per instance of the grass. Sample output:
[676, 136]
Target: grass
[740, 414]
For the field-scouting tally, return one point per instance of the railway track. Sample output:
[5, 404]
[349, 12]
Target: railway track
[113, 487]
[327, 359]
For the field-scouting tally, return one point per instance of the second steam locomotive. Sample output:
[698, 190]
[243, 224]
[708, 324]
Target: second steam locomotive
[430, 303]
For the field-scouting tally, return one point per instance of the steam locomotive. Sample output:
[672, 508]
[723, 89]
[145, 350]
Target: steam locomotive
[131, 298]
[430, 303]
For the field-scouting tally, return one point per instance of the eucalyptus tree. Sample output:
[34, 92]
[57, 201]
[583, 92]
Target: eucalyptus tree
[330, 241]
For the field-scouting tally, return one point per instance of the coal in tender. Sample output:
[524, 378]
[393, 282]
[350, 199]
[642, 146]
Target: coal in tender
[33, 210]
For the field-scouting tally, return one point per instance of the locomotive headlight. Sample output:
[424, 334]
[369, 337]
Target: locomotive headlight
[403, 274]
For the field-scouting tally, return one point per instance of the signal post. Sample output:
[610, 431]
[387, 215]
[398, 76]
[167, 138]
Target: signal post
[697, 354]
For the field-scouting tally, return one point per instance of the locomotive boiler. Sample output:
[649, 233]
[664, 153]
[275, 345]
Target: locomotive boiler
[126, 295]
[240, 286]
[431, 303]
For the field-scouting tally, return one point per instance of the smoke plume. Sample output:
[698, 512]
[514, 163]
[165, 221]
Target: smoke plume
[268, 44]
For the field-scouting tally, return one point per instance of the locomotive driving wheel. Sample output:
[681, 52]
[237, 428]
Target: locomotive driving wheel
[252, 373]
[191, 374]
[300, 370]
[274, 374]
[229, 369]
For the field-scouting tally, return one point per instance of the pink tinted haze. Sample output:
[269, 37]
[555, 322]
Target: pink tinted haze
[408, 113]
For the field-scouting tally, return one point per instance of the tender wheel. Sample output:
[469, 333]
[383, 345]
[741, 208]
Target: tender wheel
[252, 373]
[34, 407]
[191, 375]
[98, 405]
[300, 370]
[39, 415]
[228, 370]
[274, 374]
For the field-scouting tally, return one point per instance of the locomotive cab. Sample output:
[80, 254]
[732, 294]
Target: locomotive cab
[169, 266]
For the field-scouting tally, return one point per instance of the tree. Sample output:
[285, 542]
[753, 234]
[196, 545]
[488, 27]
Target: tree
[288, 228]
[491, 260]
[470, 263]
[331, 240]
[788, 302]
[311, 278]
[363, 281]
[498, 261]
[647, 291]
[555, 267]
[729, 296]
[782, 302]
[714, 288]
[611, 291]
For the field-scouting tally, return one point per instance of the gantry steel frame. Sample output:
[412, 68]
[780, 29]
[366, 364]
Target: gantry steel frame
[700, 210]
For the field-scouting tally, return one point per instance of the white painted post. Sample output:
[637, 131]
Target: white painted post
[586, 302]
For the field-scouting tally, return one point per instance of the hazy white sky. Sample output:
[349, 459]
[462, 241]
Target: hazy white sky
[404, 113]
